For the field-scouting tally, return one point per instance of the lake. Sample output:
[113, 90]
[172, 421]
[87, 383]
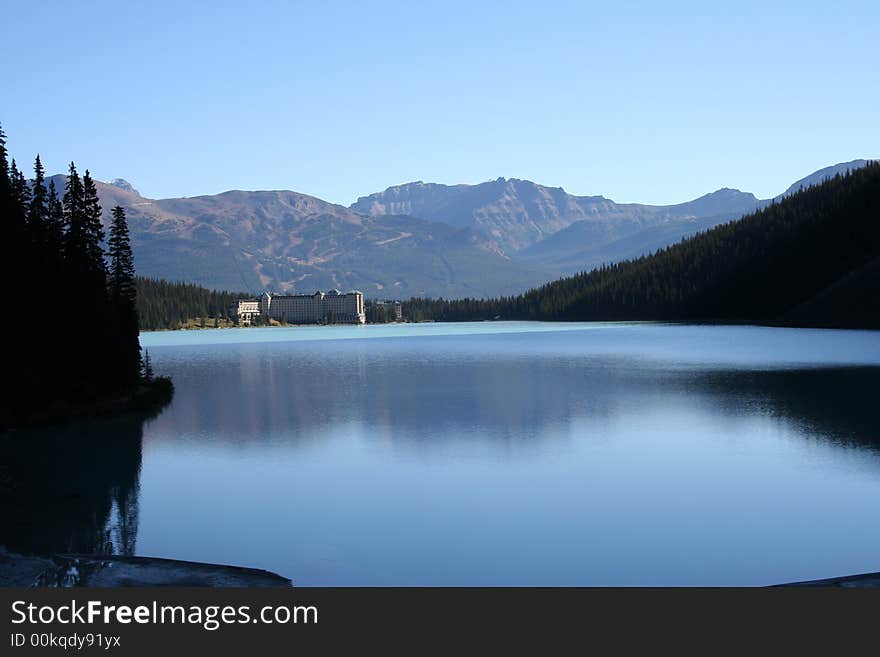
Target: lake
[499, 453]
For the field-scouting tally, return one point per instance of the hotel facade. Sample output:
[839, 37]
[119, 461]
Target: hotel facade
[246, 310]
[333, 307]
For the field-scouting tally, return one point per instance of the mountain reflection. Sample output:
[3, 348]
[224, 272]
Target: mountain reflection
[404, 396]
[441, 393]
[72, 488]
[77, 488]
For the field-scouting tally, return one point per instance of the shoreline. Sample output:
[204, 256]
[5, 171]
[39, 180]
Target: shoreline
[107, 571]
[670, 322]
[860, 581]
[259, 326]
[147, 397]
[815, 325]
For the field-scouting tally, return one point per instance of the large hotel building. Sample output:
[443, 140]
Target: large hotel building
[333, 307]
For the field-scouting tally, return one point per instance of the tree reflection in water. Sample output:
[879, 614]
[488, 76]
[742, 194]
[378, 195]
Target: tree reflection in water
[835, 404]
[72, 488]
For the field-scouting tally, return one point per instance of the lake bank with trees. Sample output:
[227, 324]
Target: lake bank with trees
[58, 259]
[811, 259]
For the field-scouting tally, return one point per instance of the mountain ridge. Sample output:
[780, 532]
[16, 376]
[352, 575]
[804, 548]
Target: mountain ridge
[811, 259]
[821, 175]
[584, 231]
[292, 242]
[414, 239]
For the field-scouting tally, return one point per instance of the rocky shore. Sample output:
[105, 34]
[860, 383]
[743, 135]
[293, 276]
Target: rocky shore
[67, 570]
[862, 581]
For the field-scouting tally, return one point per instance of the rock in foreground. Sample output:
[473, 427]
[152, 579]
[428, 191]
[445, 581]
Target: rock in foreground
[68, 570]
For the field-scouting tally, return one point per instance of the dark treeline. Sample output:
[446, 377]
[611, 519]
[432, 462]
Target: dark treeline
[165, 304]
[380, 314]
[771, 266]
[75, 337]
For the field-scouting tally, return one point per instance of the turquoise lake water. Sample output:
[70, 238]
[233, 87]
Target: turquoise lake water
[496, 453]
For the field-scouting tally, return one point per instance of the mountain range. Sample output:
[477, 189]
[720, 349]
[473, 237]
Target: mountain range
[811, 258]
[417, 239]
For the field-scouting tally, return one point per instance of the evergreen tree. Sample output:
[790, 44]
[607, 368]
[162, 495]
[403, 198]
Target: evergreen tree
[121, 274]
[54, 221]
[4, 167]
[10, 245]
[57, 248]
[148, 367]
[122, 299]
[10, 230]
[38, 210]
[74, 222]
[93, 229]
[20, 197]
[167, 305]
[86, 282]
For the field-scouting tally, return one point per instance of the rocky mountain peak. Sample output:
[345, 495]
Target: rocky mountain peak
[123, 184]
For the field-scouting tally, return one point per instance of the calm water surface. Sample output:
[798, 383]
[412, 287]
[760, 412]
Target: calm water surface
[490, 454]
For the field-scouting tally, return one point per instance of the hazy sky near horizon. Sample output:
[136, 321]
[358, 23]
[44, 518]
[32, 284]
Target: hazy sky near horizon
[654, 102]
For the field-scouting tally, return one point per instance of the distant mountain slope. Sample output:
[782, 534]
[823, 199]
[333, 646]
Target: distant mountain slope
[514, 213]
[520, 214]
[418, 239]
[287, 241]
[123, 184]
[761, 267]
[812, 259]
[587, 245]
[723, 202]
[564, 233]
[822, 175]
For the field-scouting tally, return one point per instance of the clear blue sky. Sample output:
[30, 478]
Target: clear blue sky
[638, 101]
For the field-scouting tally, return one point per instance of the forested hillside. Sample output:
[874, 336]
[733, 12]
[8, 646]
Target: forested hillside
[165, 304]
[808, 259]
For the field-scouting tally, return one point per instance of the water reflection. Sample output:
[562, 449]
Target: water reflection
[72, 488]
[434, 393]
[837, 404]
[517, 460]
[399, 395]
[608, 458]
